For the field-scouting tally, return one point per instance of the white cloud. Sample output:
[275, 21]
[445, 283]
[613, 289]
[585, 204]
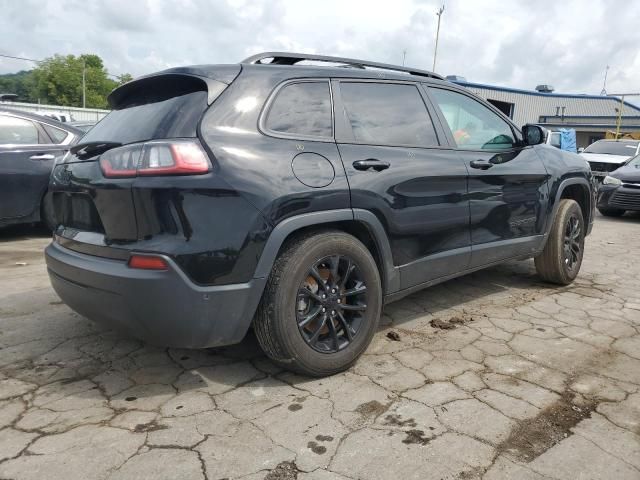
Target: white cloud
[518, 44]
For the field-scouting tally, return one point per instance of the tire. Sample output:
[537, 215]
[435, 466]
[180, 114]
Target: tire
[282, 324]
[611, 212]
[561, 258]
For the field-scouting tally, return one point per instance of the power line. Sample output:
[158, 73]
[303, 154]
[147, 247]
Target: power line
[42, 61]
[20, 58]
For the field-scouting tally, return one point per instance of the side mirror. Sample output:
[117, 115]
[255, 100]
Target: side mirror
[533, 134]
[581, 149]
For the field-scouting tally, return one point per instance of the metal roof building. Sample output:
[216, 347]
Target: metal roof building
[590, 115]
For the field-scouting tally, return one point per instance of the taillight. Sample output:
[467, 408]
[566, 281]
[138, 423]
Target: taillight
[148, 262]
[177, 157]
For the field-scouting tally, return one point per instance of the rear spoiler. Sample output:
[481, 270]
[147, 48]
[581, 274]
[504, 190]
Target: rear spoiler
[176, 81]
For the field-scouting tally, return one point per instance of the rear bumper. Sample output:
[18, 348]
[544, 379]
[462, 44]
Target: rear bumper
[161, 307]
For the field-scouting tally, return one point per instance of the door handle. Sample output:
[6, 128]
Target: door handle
[374, 163]
[44, 156]
[481, 164]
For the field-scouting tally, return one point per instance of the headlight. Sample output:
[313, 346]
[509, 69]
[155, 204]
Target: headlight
[611, 181]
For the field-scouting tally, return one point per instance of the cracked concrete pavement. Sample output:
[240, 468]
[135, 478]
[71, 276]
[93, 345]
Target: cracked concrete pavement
[493, 375]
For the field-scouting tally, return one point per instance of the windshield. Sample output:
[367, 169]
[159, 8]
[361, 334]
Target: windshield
[626, 149]
[634, 162]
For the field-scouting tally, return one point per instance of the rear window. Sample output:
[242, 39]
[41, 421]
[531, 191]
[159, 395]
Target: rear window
[156, 108]
[627, 149]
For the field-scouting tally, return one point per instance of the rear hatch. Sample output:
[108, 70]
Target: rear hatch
[145, 149]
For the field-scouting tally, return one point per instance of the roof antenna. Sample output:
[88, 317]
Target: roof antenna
[604, 85]
[404, 56]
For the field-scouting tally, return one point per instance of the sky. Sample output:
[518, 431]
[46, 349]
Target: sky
[517, 43]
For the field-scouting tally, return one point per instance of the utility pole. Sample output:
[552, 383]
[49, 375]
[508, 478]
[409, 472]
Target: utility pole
[620, 110]
[84, 86]
[404, 56]
[604, 85]
[435, 51]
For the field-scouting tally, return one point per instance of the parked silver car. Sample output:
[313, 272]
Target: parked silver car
[605, 156]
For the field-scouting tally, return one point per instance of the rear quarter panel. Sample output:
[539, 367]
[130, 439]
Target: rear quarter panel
[258, 166]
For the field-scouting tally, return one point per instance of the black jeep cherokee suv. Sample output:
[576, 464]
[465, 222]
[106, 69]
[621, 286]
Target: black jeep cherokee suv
[298, 197]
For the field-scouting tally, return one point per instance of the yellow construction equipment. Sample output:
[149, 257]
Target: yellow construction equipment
[611, 135]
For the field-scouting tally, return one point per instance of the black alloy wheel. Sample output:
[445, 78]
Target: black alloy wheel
[572, 242]
[331, 304]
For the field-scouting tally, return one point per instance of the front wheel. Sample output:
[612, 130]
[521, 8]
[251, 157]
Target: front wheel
[321, 304]
[561, 258]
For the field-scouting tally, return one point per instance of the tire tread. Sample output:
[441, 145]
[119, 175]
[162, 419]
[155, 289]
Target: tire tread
[549, 264]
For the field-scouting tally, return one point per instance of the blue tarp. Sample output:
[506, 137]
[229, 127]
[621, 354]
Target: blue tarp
[568, 140]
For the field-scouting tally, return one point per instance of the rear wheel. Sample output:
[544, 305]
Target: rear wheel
[561, 258]
[321, 305]
[611, 212]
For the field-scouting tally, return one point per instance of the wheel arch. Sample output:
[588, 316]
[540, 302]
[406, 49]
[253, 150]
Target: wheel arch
[362, 224]
[577, 189]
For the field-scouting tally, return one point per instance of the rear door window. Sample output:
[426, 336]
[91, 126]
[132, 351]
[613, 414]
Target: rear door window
[18, 131]
[387, 114]
[302, 109]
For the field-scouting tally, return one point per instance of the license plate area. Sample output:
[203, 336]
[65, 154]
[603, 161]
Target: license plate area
[77, 211]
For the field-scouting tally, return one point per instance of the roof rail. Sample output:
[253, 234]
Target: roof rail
[289, 58]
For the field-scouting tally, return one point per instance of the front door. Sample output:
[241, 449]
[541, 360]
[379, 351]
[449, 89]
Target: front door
[397, 169]
[508, 189]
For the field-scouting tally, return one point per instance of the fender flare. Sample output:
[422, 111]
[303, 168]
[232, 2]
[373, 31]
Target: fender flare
[390, 273]
[564, 184]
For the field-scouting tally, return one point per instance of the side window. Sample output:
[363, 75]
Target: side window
[17, 131]
[387, 114]
[302, 109]
[473, 125]
[57, 135]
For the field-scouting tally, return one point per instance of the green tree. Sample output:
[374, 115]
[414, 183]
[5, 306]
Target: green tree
[18, 83]
[124, 78]
[58, 80]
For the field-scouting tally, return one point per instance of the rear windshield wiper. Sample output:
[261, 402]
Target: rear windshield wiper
[89, 149]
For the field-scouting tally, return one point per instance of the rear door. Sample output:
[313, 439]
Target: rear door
[397, 169]
[27, 156]
[507, 181]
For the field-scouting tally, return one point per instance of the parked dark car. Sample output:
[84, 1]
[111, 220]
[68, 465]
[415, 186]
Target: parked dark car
[298, 199]
[29, 145]
[620, 190]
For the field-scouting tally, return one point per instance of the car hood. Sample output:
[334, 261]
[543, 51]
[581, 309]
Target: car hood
[604, 158]
[628, 173]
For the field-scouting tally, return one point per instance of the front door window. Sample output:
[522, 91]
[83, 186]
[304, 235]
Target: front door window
[474, 126]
